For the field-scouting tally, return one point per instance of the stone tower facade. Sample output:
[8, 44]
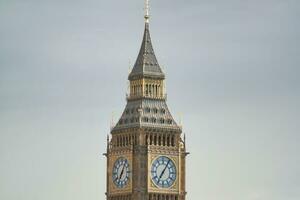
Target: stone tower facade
[146, 153]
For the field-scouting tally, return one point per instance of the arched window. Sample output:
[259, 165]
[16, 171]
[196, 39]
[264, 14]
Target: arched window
[159, 92]
[168, 140]
[150, 91]
[135, 140]
[141, 89]
[147, 139]
[153, 120]
[159, 140]
[133, 91]
[147, 109]
[153, 90]
[146, 119]
[172, 141]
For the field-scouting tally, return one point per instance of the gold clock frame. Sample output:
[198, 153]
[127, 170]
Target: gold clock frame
[152, 187]
[112, 187]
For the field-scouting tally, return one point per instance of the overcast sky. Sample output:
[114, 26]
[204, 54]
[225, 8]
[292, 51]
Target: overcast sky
[232, 74]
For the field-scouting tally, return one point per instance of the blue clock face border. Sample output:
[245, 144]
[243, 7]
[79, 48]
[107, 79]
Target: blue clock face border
[121, 172]
[163, 172]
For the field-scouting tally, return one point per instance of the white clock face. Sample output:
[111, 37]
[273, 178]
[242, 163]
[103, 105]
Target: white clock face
[163, 172]
[121, 172]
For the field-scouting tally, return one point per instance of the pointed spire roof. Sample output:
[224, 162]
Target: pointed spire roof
[147, 113]
[146, 65]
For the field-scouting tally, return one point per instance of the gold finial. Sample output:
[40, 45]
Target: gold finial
[147, 16]
[128, 82]
[107, 142]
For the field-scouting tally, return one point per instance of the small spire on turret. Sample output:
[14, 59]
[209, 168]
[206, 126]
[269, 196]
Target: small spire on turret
[147, 16]
[107, 141]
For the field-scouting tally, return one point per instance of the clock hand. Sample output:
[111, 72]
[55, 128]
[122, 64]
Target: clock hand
[162, 173]
[116, 178]
[122, 172]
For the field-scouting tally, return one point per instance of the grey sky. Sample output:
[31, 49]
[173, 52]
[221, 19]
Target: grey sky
[232, 71]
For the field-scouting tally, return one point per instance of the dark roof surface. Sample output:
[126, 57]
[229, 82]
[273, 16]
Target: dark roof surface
[146, 113]
[146, 64]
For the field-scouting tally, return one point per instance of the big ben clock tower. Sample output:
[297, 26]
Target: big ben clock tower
[146, 153]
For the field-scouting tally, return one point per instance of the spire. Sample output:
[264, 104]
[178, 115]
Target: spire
[146, 64]
[147, 16]
[146, 103]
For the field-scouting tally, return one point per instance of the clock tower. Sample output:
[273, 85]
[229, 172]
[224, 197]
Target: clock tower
[146, 152]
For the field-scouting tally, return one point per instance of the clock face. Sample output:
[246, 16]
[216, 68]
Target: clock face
[120, 173]
[163, 172]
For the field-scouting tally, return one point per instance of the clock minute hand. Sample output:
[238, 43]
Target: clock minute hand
[162, 173]
[122, 172]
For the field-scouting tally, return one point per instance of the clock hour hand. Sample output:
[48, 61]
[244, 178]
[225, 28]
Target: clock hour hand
[162, 173]
[116, 178]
